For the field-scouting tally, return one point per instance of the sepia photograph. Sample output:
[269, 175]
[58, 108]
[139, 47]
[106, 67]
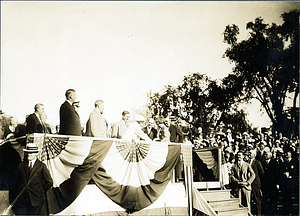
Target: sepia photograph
[149, 108]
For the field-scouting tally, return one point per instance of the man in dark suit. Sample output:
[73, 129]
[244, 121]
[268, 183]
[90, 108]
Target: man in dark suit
[269, 183]
[289, 181]
[150, 130]
[34, 122]
[69, 118]
[32, 181]
[11, 127]
[256, 184]
[242, 178]
[261, 151]
[176, 134]
[9, 161]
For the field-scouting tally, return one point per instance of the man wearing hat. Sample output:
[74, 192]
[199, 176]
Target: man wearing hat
[32, 181]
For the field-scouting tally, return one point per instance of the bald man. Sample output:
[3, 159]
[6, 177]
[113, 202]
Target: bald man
[96, 125]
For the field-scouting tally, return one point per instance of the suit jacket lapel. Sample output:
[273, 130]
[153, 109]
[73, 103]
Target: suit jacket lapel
[26, 170]
[237, 169]
[33, 169]
[71, 107]
[102, 117]
[123, 125]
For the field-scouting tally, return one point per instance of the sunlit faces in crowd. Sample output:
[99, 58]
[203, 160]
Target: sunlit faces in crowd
[252, 154]
[240, 156]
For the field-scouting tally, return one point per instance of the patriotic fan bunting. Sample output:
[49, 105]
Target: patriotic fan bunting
[132, 174]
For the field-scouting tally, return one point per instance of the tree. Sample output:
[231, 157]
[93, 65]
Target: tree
[266, 65]
[188, 101]
[199, 101]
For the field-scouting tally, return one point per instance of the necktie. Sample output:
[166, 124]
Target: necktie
[126, 123]
[29, 167]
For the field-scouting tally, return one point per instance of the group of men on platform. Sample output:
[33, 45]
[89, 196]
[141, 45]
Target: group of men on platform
[31, 179]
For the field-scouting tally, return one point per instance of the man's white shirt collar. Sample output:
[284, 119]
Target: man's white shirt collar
[11, 128]
[241, 162]
[251, 161]
[69, 102]
[32, 162]
[38, 116]
[98, 110]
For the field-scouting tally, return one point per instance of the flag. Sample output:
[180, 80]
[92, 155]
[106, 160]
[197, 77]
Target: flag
[133, 174]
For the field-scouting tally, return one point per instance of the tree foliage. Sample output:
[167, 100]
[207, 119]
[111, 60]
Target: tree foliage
[266, 65]
[199, 101]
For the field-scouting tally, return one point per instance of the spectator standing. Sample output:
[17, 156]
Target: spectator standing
[34, 177]
[163, 133]
[242, 177]
[96, 125]
[176, 134]
[269, 182]
[276, 148]
[256, 184]
[34, 122]
[69, 118]
[261, 150]
[289, 181]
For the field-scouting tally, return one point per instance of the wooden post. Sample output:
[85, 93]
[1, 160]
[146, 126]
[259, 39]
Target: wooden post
[220, 166]
[186, 150]
[189, 189]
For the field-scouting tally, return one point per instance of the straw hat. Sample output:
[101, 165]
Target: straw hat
[31, 148]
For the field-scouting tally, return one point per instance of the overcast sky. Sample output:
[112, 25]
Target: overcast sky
[115, 51]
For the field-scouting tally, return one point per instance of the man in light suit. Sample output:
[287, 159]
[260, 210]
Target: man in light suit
[32, 181]
[256, 184]
[96, 125]
[119, 128]
[34, 122]
[69, 118]
[242, 177]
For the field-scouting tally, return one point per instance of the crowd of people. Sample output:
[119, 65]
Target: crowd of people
[261, 169]
[268, 183]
